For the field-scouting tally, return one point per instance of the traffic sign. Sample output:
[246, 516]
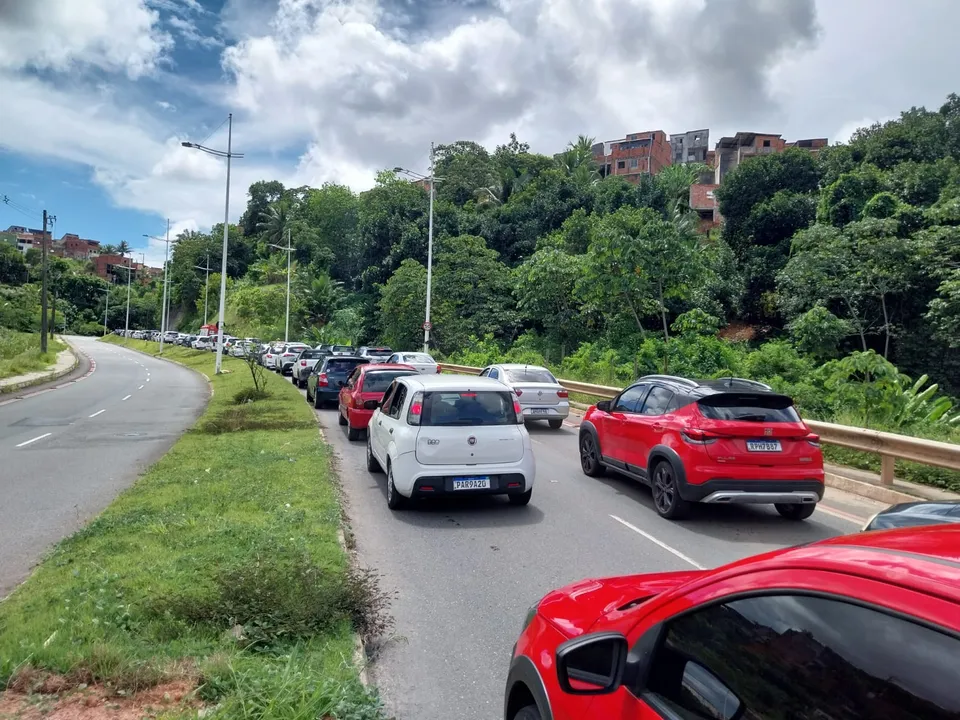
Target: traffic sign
[428, 325]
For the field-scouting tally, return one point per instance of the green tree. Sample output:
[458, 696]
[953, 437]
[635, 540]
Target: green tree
[13, 268]
[546, 295]
[260, 197]
[401, 306]
[818, 332]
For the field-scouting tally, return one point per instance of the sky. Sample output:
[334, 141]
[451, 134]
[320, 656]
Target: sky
[99, 94]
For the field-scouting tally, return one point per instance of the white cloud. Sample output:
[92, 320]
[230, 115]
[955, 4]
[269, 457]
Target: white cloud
[191, 34]
[113, 35]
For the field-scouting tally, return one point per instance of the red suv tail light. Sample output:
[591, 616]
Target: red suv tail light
[322, 380]
[694, 436]
[813, 440]
[562, 394]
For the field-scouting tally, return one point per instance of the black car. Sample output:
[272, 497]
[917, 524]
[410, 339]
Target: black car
[328, 376]
[912, 514]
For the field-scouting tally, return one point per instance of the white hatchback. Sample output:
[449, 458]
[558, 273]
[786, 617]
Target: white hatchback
[450, 435]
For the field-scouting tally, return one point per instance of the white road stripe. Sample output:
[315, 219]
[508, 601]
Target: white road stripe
[39, 437]
[127, 397]
[148, 378]
[97, 413]
[662, 544]
[141, 387]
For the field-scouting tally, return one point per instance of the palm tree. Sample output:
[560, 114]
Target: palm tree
[578, 162]
[108, 249]
[274, 223]
[123, 248]
[675, 182]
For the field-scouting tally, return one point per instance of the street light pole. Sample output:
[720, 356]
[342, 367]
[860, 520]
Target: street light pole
[426, 322]
[289, 250]
[126, 327]
[106, 311]
[229, 154]
[166, 274]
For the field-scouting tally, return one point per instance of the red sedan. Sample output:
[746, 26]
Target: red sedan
[863, 626]
[363, 393]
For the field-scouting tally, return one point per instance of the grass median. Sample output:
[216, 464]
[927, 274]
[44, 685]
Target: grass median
[220, 571]
[20, 353]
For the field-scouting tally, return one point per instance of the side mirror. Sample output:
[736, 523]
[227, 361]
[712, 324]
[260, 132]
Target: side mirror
[605, 405]
[592, 664]
[371, 405]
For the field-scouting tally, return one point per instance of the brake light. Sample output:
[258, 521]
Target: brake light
[468, 395]
[519, 392]
[322, 380]
[439, 369]
[695, 436]
[518, 411]
[416, 409]
[303, 363]
[358, 402]
[562, 394]
[814, 440]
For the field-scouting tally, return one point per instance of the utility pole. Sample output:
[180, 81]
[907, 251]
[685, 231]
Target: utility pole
[289, 250]
[166, 272]
[206, 285]
[426, 323]
[106, 311]
[43, 291]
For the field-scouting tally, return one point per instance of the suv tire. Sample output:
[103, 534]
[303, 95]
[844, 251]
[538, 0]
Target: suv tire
[666, 495]
[530, 712]
[340, 418]
[796, 511]
[590, 455]
[372, 464]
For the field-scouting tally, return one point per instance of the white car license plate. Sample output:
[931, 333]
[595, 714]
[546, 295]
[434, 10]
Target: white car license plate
[474, 483]
[764, 446]
[539, 411]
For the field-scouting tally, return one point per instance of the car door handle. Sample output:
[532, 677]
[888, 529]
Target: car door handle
[391, 431]
[657, 427]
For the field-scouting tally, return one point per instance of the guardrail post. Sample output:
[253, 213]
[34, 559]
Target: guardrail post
[887, 464]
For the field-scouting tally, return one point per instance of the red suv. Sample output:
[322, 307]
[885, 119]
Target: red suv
[725, 441]
[364, 391]
[858, 627]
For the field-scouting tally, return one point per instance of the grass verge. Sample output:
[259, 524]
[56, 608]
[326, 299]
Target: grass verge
[20, 353]
[221, 565]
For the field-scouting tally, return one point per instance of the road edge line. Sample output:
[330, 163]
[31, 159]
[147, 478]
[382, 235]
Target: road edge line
[660, 543]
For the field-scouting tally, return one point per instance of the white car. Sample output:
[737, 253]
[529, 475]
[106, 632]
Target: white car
[541, 396]
[450, 435]
[420, 361]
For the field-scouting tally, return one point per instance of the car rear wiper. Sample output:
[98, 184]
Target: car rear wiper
[751, 418]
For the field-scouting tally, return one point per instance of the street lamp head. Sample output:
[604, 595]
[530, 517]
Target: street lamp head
[188, 144]
[398, 169]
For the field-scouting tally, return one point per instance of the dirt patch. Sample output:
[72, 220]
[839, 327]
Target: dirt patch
[95, 702]
[738, 332]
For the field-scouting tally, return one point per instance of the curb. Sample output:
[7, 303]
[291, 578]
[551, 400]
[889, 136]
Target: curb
[7, 389]
[869, 490]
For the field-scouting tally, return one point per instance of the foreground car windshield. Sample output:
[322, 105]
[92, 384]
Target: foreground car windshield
[380, 381]
[467, 408]
[531, 375]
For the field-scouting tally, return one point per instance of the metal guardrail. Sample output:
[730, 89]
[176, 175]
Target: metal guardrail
[889, 446]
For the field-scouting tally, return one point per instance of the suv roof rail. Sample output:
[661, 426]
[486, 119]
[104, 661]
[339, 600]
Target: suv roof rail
[670, 378]
[732, 382]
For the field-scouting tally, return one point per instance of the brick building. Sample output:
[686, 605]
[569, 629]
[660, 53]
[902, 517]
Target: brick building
[77, 248]
[731, 151]
[690, 147]
[704, 203]
[635, 155]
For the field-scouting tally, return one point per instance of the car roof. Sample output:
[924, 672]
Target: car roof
[374, 367]
[453, 382]
[702, 388]
[521, 366]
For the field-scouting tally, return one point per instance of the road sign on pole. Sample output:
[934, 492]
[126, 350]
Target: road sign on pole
[428, 325]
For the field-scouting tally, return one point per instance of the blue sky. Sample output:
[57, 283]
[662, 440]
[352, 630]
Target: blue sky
[99, 94]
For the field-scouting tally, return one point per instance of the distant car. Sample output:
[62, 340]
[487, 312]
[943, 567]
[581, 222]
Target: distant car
[424, 364]
[541, 396]
[288, 354]
[724, 442]
[912, 514]
[855, 627]
[269, 358]
[377, 354]
[303, 364]
[342, 350]
[363, 393]
[327, 377]
[450, 435]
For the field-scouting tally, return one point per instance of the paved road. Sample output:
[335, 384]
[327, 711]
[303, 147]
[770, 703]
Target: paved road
[465, 572]
[66, 451]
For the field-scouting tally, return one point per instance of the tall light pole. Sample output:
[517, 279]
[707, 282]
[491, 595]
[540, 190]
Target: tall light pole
[289, 249]
[226, 229]
[166, 274]
[206, 286]
[126, 327]
[431, 180]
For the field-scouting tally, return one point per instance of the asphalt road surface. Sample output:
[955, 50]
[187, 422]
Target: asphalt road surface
[465, 570]
[67, 449]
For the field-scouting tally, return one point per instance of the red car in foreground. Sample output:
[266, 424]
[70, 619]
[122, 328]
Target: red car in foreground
[863, 626]
[727, 441]
[363, 393]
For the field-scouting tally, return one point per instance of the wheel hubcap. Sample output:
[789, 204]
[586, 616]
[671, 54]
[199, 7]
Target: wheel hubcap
[663, 489]
[586, 455]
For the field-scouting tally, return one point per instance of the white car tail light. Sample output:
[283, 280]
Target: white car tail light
[416, 409]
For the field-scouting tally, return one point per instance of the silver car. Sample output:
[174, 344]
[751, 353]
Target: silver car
[420, 361]
[540, 395]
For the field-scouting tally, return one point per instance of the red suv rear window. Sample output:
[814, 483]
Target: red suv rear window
[749, 407]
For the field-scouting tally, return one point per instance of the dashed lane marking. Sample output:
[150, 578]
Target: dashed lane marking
[33, 440]
[127, 397]
[97, 413]
[660, 543]
[141, 387]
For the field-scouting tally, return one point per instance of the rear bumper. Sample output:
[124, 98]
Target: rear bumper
[410, 477]
[722, 491]
[545, 412]
[358, 418]
[327, 394]
[505, 484]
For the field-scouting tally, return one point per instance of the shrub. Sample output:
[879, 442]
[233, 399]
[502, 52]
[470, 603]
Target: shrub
[249, 395]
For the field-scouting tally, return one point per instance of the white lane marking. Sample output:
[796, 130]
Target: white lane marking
[39, 437]
[662, 544]
[127, 397]
[148, 378]
[141, 387]
[97, 413]
[850, 518]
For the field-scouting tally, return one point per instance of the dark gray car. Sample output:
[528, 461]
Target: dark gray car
[326, 379]
[913, 514]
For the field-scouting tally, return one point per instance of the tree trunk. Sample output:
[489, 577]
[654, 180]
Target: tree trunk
[633, 310]
[886, 325]
[666, 330]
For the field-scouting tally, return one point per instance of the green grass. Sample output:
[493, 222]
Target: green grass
[20, 353]
[221, 564]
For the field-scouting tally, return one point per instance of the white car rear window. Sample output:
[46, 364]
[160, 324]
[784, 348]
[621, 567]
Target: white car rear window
[467, 408]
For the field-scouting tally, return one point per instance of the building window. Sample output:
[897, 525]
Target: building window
[634, 162]
[621, 164]
[804, 658]
[766, 143]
